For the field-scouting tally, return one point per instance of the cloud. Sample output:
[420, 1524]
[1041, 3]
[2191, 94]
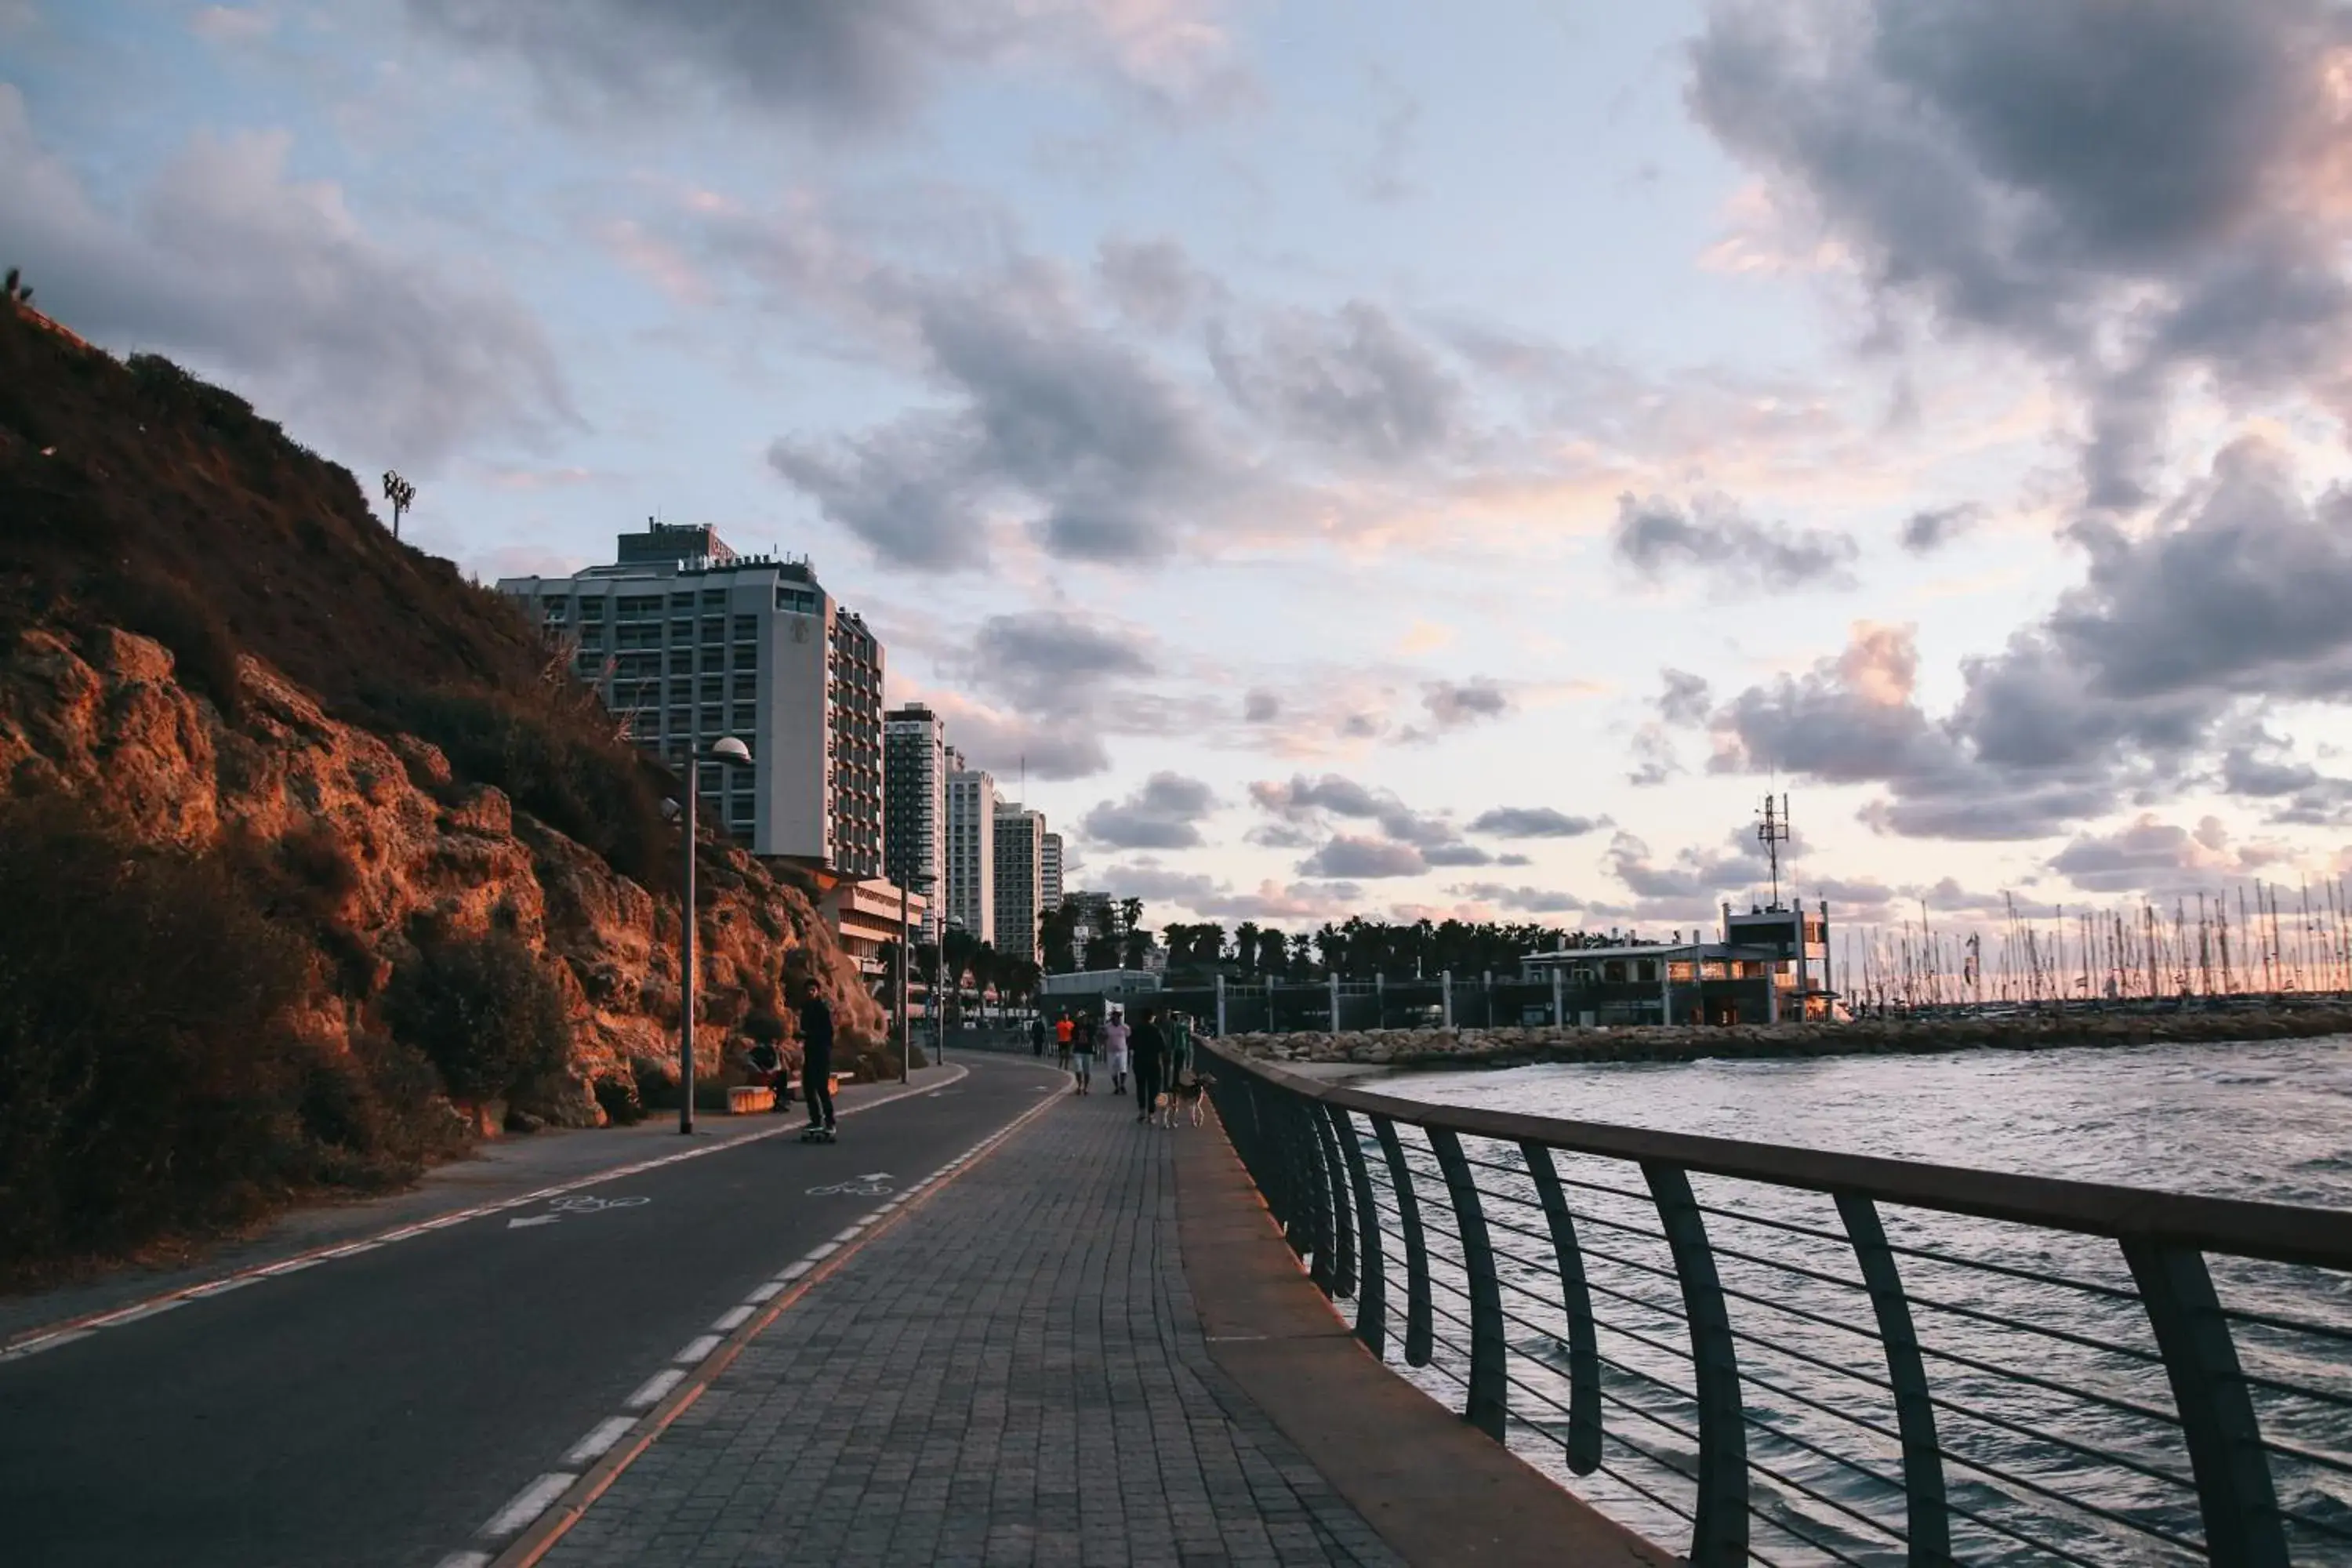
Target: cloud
[1214, 899]
[1685, 698]
[1519, 899]
[1153, 283]
[1696, 881]
[2303, 794]
[857, 67]
[1306, 800]
[1533, 822]
[1925, 533]
[1049, 662]
[1711, 537]
[1457, 855]
[2131, 193]
[2158, 858]
[1098, 451]
[1164, 814]
[270, 284]
[1352, 381]
[1455, 704]
[1260, 705]
[1348, 855]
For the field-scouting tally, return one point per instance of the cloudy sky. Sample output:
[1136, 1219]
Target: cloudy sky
[1363, 456]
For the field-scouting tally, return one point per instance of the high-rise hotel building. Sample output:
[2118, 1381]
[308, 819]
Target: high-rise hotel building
[914, 808]
[688, 641]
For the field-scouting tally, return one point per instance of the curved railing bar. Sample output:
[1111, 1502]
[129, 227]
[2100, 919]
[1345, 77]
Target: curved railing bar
[1416, 1245]
[1583, 1345]
[2277, 1233]
[1373, 1292]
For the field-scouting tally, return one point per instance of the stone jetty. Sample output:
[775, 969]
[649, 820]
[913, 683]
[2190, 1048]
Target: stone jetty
[1503, 1047]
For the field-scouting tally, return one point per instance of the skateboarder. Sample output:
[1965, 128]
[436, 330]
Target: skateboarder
[816, 1060]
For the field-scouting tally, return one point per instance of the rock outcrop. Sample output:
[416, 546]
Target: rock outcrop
[392, 845]
[1463, 1048]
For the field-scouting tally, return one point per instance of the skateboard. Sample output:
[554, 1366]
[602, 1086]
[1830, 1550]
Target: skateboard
[818, 1135]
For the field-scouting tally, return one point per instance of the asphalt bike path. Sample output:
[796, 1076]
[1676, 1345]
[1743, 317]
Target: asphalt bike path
[375, 1407]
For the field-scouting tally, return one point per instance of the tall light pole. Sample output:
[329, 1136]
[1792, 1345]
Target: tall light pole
[401, 494]
[727, 748]
[905, 957]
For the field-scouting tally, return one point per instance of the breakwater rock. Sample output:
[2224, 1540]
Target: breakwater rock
[1459, 1049]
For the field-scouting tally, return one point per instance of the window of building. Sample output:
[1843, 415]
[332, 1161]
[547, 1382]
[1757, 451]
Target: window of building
[746, 686]
[682, 662]
[640, 607]
[714, 687]
[747, 715]
[681, 691]
[1646, 969]
[747, 656]
[556, 609]
[681, 631]
[681, 722]
[592, 637]
[714, 629]
[587, 663]
[713, 721]
[591, 609]
[681, 601]
[714, 598]
[740, 811]
[746, 627]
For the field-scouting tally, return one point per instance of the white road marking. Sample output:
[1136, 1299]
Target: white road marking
[599, 1440]
[529, 1503]
[46, 1343]
[731, 1319]
[535, 1219]
[653, 1389]
[353, 1250]
[446, 1220]
[824, 1251]
[464, 1560]
[793, 1271]
[223, 1287]
[291, 1266]
[849, 1234]
[132, 1314]
[696, 1348]
[767, 1292]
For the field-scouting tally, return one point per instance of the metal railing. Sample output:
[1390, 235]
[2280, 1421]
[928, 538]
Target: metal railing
[1757, 1352]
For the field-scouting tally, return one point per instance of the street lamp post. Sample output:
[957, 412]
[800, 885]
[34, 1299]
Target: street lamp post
[905, 957]
[727, 748]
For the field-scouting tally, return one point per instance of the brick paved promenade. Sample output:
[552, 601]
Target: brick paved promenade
[1014, 1373]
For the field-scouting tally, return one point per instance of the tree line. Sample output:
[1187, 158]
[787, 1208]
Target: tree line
[1353, 949]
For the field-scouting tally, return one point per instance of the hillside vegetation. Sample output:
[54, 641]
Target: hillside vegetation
[313, 864]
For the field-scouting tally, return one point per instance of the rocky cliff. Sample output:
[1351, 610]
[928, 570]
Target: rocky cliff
[226, 688]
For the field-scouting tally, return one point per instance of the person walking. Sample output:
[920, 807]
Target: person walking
[1114, 1037]
[1082, 1054]
[1063, 1030]
[1037, 1037]
[1149, 1047]
[816, 1059]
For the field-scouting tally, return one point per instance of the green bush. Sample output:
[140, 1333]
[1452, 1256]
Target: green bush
[484, 1010]
[148, 1081]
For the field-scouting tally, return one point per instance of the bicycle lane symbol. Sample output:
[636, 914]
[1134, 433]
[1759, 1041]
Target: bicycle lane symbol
[872, 1184]
[577, 1203]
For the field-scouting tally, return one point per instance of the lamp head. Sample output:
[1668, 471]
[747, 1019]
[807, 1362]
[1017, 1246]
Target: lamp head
[727, 749]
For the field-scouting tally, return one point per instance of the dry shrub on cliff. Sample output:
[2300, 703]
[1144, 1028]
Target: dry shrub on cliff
[149, 1079]
[484, 1010]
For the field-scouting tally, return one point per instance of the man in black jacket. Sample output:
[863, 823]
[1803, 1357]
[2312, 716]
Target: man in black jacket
[816, 1056]
[1149, 1047]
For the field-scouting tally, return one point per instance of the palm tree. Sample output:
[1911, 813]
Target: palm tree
[985, 969]
[1131, 911]
[1245, 946]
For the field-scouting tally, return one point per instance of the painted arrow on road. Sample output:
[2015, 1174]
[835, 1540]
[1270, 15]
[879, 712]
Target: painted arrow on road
[535, 1219]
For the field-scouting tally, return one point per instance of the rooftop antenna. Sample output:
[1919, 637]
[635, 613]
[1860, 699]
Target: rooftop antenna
[1773, 832]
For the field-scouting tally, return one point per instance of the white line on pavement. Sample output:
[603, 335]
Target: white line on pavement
[464, 1560]
[46, 1343]
[734, 1318]
[849, 1234]
[651, 1391]
[794, 1270]
[768, 1292]
[529, 1503]
[132, 1314]
[825, 1250]
[696, 1348]
[599, 1440]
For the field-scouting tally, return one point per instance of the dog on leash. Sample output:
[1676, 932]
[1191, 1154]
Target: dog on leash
[1193, 1096]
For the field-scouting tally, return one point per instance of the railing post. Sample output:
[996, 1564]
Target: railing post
[1583, 1343]
[1927, 1518]
[1371, 1293]
[1306, 1170]
[1417, 1328]
[2225, 1442]
[1719, 1531]
[1221, 1005]
[1486, 1406]
[1343, 1219]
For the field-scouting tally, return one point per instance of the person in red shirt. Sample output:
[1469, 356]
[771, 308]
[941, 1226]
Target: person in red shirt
[1063, 1030]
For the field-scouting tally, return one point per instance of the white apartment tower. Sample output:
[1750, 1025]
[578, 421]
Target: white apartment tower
[914, 808]
[971, 849]
[1049, 874]
[1019, 878]
[687, 642]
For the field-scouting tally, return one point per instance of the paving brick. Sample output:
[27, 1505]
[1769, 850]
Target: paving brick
[1014, 1374]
